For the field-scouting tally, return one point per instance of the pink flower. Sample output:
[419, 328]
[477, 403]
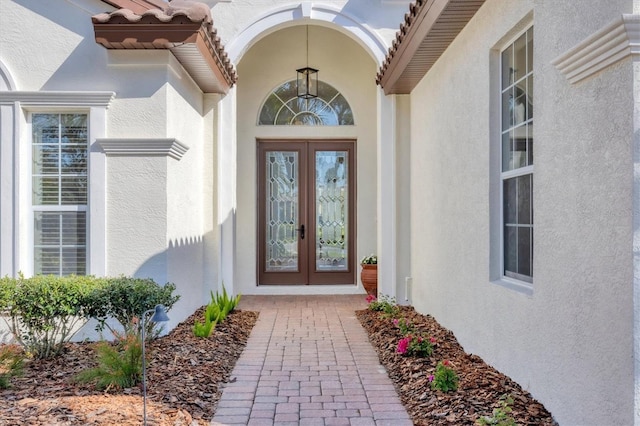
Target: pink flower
[432, 340]
[396, 321]
[370, 298]
[430, 378]
[445, 362]
[403, 345]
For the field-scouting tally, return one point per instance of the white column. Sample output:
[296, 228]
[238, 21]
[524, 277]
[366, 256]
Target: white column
[386, 195]
[210, 193]
[403, 198]
[636, 238]
[97, 214]
[227, 169]
[8, 226]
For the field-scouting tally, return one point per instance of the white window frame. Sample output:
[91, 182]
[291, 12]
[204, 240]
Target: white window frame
[514, 280]
[327, 101]
[23, 104]
[58, 207]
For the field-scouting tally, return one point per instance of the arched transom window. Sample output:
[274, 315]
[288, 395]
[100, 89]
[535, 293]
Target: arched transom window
[283, 107]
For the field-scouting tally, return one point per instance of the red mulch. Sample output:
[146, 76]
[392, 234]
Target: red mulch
[480, 386]
[183, 382]
[186, 373]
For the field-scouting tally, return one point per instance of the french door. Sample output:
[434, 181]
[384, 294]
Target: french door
[306, 212]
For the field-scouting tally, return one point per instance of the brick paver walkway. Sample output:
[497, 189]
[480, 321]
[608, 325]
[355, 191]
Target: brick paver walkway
[308, 362]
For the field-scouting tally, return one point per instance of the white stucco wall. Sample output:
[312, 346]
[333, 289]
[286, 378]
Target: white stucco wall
[264, 67]
[63, 37]
[232, 18]
[569, 342]
[154, 204]
[172, 191]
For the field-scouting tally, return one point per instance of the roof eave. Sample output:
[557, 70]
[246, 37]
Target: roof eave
[416, 47]
[137, 6]
[187, 32]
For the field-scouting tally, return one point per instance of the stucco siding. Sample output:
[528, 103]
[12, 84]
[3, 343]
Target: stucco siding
[263, 68]
[137, 216]
[569, 338]
[70, 62]
[231, 18]
[185, 199]
[153, 203]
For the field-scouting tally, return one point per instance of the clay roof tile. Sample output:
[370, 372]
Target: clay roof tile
[125, 28]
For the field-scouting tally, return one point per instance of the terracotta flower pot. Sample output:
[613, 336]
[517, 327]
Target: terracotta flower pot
[369, 277]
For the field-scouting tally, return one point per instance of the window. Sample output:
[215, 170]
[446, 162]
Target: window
[517, 158]
[59, 193]
[283, 107]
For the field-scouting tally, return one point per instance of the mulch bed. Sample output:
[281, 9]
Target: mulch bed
[186, 373]
[184, 379]
[480, 386]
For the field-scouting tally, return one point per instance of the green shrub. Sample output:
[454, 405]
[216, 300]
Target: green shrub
[7, 287]
[204, 330]
[11, 363]
[126, 299]
[46, 310]
[385, 304]
[213, 313]
[445, 378]
[216, 312]
[412, 345]
[119, 363]
[501, 415]
[224, 302]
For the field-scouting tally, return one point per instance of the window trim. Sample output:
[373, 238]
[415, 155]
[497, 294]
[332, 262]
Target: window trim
[23, 104]
[33, 208]
[525, 284]
[285, 105]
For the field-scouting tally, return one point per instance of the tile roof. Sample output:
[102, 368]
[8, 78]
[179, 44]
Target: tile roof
[184, 27]
[427, 31]
[137, 6]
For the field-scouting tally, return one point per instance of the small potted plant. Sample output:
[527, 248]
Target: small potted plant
[369, 274]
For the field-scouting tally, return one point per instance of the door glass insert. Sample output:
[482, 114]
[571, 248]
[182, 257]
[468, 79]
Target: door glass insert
[331, 206]
[282, 192]
[306, 217]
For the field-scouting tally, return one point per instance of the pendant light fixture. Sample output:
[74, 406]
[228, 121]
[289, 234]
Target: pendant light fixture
[307, 78]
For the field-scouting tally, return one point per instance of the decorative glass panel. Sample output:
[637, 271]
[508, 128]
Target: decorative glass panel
[331, 195]
[284, 107]
[282, 211]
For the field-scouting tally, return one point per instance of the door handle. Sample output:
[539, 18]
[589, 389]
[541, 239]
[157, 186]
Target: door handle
[301, 230]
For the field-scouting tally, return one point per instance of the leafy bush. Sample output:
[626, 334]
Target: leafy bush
[7, 287]
[213, 313]
[216, 312]
[11, 362]
[445, 378]
[204, 330]
[225, 303]
[126, 298]
[385, 304]
[501, 415]
[404, 326]
[46, 310]
[412, 345]
[372, 259]
[119, 364]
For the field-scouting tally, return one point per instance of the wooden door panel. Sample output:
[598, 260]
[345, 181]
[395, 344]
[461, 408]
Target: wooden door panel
[306, 214]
